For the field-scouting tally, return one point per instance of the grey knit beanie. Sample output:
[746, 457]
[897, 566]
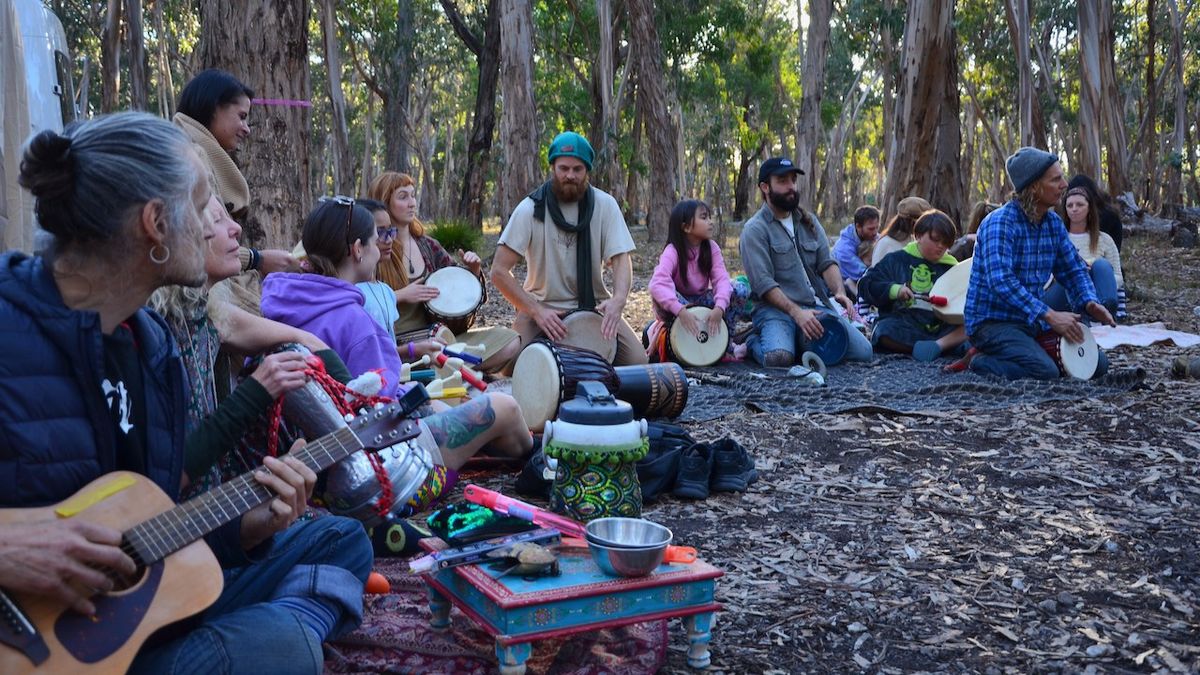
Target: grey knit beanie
[1027, 165]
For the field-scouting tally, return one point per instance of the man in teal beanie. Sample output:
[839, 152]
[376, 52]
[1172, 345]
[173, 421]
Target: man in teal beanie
[566, 231]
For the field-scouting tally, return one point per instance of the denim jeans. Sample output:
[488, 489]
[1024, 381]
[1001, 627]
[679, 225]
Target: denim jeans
[1010, 350]
[327, 558]
[1103, 278]
[774, 330]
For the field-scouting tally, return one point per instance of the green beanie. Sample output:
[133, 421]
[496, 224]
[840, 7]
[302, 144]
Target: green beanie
[571, 144]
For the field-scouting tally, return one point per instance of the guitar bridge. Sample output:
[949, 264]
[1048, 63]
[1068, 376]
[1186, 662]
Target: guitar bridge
[18, 632]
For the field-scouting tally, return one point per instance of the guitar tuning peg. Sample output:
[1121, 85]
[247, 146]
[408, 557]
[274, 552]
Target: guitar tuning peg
[379, 405]
[348, 417]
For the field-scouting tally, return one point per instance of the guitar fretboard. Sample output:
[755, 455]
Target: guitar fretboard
[162, 535]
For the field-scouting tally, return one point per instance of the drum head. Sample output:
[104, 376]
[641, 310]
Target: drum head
[537, 385]
[583, 331]
[832, 345]
[953, 286]
[461, 292]
[703, 351]
[1079, 361]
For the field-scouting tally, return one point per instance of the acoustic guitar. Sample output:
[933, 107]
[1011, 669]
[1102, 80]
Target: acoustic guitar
[178, 575]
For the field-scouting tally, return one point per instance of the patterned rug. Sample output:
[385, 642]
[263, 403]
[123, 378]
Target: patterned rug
[889, 383]
[395, 637]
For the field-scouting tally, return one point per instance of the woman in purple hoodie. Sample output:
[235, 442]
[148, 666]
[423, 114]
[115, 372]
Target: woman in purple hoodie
[339, 239]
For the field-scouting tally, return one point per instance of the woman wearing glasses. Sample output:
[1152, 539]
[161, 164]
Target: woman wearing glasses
[409, 256]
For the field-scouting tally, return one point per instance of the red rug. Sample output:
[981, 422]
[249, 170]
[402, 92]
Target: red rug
[395, 637]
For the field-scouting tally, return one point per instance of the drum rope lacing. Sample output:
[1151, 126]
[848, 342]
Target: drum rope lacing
[339, 392]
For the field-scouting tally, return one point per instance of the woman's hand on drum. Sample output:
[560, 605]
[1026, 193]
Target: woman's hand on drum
[715, 319]
[611, 309]
[549, 322]
[1066, 324]
[416, 293]
[689, 322]
[1100, 313]
[472, 261]
[281, 372]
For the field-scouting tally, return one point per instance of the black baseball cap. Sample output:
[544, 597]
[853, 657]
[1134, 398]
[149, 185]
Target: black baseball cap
[776, 166]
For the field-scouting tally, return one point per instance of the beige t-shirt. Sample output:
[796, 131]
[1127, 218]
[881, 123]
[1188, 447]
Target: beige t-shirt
[549, 252]
[884, 246]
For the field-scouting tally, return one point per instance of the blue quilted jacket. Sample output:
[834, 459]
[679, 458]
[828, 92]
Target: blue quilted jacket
[56, 434]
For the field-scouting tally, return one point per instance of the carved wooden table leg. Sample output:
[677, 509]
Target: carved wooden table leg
[699, 628]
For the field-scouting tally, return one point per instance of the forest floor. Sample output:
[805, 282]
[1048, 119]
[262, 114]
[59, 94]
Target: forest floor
[1050, 537]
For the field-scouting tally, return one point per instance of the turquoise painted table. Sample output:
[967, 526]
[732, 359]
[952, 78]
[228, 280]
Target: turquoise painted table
[518, 611]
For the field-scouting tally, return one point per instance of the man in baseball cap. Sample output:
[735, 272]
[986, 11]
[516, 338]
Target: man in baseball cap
[792, 274]
[1018, 247]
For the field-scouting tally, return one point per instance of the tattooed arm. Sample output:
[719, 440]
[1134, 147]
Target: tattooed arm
[493, 420]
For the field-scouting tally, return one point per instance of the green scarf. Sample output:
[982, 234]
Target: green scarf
[544, 200]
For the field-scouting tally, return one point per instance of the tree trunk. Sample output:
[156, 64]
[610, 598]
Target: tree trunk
[1174, 193]
[1149, 167]
[135, 40]
[397, 76]
[887, 63]
[366, 172]
[652, 100]
[1017, 14]
[1114, 116]
[162, 62]
[518, 120]
[1090, 120]
[343, 164]
[816, 53]
[110, 58]
[265, 45]
[607, 170]
[928, 135]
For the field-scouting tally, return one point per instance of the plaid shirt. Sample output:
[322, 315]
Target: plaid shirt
[1013, 260]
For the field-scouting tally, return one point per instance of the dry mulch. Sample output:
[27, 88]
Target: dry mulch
[1048, 537]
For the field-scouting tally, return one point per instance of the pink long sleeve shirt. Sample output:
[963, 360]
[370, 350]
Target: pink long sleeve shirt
[669, 279]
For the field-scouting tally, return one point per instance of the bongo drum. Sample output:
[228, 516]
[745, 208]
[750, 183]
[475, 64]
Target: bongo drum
[953, 287]
[831, 347]
[583, 332]
[434, 331]
[654, 390]
[703, 350]
[1075, 360]
[546, 374]
[461, 296]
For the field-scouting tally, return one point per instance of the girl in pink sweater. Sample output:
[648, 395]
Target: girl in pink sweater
[691, 271]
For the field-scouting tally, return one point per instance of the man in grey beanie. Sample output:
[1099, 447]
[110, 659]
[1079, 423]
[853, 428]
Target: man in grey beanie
[1019, 246]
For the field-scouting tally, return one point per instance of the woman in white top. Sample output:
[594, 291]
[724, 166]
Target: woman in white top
[898, 231]
[1096, 248]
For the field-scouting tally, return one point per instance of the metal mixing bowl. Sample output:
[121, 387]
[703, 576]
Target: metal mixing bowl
[627, 562]
[630, 533]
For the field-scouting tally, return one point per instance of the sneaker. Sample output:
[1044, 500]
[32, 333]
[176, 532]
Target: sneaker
[733, 467]
[695, 469]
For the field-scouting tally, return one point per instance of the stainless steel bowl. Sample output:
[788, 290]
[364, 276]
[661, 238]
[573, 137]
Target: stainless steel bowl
[631, 533]
[627, 562]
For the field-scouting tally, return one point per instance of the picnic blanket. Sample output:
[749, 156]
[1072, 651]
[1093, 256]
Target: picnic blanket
[395, 637]
[890, 383]
[1142, 335]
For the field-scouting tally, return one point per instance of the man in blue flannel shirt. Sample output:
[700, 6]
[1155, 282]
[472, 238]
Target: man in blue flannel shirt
[1018, 247]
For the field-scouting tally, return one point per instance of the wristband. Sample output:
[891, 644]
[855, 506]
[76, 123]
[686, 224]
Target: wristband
[412, 354]
[255, 259]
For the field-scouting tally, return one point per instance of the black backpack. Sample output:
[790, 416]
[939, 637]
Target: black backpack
[656, 471]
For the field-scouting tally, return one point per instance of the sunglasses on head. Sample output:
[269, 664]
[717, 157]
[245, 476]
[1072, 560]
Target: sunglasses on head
[343, 200]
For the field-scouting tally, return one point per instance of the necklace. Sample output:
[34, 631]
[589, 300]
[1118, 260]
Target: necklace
[408, 259]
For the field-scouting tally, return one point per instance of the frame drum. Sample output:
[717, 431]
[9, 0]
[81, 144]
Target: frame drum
[953, 286]
[1076, 361]
[703, 350]
[461, 296]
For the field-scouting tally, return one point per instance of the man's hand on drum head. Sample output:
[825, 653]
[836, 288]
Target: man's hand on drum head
[689, 322]
[808, 322]
[1100, 313]
[1066, 324]
[281, 372]
[611, 310]
[549, 322]
[416, 293]
[472, 261]
[715, 319]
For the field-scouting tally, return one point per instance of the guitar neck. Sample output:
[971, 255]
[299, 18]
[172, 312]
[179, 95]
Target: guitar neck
[162, 535]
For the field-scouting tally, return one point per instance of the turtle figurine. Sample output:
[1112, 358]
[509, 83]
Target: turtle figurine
[525, 559]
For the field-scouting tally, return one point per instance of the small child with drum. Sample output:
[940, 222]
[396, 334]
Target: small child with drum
[691, 274]
[899, 286]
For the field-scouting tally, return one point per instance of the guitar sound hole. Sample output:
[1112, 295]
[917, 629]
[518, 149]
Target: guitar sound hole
[125, 582]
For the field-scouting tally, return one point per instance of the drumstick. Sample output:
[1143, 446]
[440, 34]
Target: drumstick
[469, 358]
[467, 376]
[935, 300]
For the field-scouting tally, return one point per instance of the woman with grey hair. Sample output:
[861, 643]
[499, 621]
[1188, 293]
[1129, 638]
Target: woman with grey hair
[92, 383]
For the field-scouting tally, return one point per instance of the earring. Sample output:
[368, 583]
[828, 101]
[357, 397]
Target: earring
[165, 256]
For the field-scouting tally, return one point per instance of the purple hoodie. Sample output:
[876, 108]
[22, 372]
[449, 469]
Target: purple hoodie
[332, 310]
